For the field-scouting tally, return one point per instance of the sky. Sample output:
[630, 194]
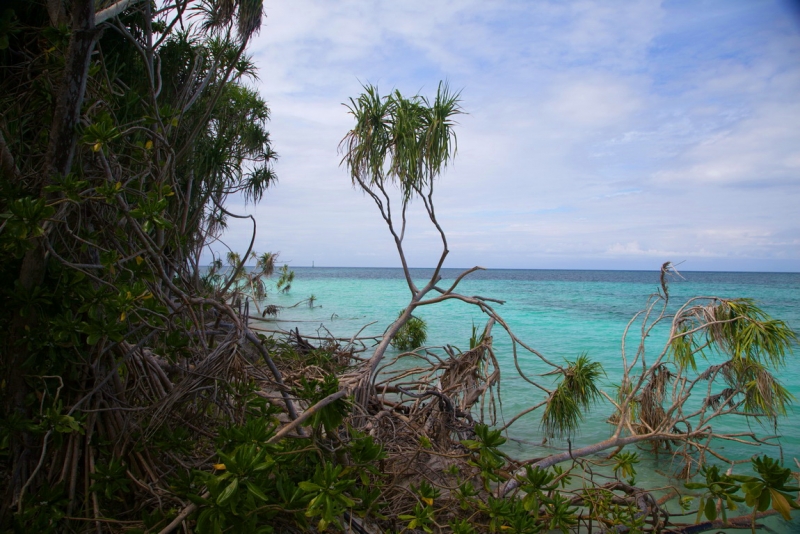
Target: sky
[598, 135]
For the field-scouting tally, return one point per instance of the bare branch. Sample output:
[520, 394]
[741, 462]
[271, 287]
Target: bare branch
[114, 10]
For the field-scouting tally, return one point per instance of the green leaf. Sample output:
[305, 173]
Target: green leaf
[694, 485]
[530, 502]
[228, 492]
[780, 504]
[763, 501]
[701, 507]
[347, 501]
[198, 500]
[264, 465]
[255, 490]
[309, 486]
[711, 509]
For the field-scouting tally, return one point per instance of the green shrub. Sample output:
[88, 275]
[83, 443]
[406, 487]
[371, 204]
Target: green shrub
[411, 335]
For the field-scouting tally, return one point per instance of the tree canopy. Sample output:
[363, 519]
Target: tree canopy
[126, 125]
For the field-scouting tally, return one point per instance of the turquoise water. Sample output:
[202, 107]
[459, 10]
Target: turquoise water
[560, 313]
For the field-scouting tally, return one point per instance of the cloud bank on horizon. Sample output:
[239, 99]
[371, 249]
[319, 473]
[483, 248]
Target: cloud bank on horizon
[599, 135]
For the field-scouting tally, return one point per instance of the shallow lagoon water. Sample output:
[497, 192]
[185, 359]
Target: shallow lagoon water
[560, 313]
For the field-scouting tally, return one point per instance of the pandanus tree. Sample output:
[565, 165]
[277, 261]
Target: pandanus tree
[405, 143]
[396, 151]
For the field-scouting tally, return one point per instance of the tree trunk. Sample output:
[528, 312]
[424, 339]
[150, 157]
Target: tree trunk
[58, 160]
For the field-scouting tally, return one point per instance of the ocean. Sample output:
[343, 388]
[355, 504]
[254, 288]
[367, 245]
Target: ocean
[560, 313]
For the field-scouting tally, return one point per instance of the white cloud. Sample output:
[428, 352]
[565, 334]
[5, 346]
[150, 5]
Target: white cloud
[763, 149]
[592, 102]
[617, 130]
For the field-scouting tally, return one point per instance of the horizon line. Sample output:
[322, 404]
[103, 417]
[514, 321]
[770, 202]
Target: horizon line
[532, 269]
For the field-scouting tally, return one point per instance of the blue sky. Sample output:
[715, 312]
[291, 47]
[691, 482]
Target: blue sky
[599, 134]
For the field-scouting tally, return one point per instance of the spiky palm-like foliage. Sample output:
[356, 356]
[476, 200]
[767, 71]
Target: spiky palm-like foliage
[751, 345]
[404, 141]
[411, 335]
[575, 393]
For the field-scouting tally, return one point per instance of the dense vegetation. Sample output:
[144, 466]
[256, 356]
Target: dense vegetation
[136, 398]
[123, 133]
